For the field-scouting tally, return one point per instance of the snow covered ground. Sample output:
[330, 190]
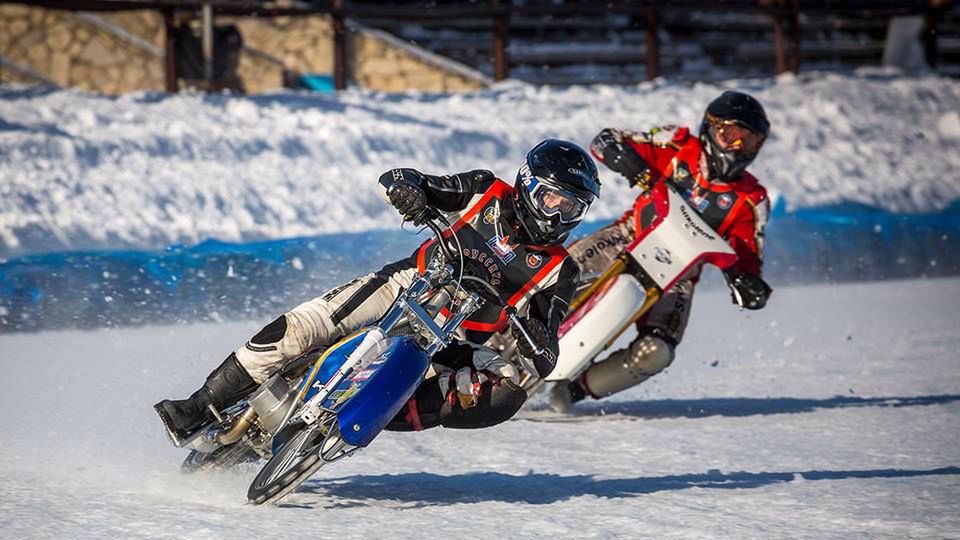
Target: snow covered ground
[84, 171]
[834, 413]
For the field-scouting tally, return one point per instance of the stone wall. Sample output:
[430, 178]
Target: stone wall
[380, 61]
[375, 59]
[123, 52]
[72, 50]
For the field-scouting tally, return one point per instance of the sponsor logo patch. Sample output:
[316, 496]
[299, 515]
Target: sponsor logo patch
[697, 201]
[501, 248]
[490, 214]
[534, 260]
[724, 201]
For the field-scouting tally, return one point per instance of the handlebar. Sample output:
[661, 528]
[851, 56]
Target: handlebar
[512, 317]
[433, 220]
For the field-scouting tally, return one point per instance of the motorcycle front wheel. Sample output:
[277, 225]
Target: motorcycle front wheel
[302, 454]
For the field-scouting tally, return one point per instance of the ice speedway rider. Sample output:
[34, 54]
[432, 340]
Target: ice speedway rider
[510, 235]
[710, 172]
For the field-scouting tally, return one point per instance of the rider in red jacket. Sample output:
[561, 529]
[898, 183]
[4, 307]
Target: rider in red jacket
[709, 171]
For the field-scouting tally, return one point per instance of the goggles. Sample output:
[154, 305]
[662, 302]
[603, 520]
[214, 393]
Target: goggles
[552, 201]
[729, 135]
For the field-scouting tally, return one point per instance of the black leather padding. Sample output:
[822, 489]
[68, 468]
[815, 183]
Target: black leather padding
[272, 332]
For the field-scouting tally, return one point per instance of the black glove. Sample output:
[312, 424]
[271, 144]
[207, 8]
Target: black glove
[620, 157]
[546, 360]
[747, 290]
[408, 198]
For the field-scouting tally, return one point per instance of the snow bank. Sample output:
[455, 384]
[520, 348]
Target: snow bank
[83, 171]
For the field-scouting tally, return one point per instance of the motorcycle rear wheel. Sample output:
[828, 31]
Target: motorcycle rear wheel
[301, 455]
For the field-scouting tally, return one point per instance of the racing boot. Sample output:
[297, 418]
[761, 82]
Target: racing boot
[564, 394]
[224, 387]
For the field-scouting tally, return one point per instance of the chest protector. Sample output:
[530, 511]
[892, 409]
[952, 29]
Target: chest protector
[716, 202]
[516, 270]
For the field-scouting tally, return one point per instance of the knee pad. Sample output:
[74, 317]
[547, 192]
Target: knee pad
[646, 356]
[271, 333]
[263, 353]
[496, 406]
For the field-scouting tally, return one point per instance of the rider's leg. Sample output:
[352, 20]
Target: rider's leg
[650, 353]
[323, 320]
[471, 387]
[312, 324]
[594, 253]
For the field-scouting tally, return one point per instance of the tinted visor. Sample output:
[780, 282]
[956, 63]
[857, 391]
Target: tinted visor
[729, 135]
[552, 201]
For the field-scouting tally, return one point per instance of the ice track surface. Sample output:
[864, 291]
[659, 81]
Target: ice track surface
[835, 413]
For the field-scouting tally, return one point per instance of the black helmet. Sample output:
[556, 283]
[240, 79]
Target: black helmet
[555, 188]
[734, 128]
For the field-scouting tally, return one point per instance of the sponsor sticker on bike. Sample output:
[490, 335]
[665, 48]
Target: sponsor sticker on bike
[662, 255]
[363, 375]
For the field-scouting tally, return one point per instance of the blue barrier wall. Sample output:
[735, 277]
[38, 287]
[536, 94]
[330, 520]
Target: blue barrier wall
[216, 280]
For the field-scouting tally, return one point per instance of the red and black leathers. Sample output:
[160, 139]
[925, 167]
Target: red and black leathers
[480, 209]
[737, 209]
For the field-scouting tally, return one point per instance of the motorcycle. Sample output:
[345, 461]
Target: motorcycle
[676, 241]
[329, 404]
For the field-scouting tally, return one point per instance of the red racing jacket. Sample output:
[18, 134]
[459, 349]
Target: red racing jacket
[737, 210]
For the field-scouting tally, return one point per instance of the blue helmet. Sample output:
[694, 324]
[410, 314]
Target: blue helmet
[554, 189]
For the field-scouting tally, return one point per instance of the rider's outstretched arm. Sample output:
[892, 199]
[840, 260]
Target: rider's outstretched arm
[448, 193]
[639, 156]
[547, 310]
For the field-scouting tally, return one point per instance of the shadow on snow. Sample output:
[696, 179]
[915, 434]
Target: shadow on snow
[426, 489]
[699, 408]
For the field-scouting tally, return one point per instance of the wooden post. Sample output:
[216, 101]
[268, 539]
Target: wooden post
[208, 45]
[653, 47]
[169, 51]
[781, 63]
[501, 35]
[339, 46]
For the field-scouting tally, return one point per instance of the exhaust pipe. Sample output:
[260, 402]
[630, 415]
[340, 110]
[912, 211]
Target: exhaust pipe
[233, 434]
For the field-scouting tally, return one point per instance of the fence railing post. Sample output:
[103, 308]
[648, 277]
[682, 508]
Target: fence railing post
[207, 12]
[501, 36]
[653, 47]
[930, 51]
[339, 46]
[169, 51]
